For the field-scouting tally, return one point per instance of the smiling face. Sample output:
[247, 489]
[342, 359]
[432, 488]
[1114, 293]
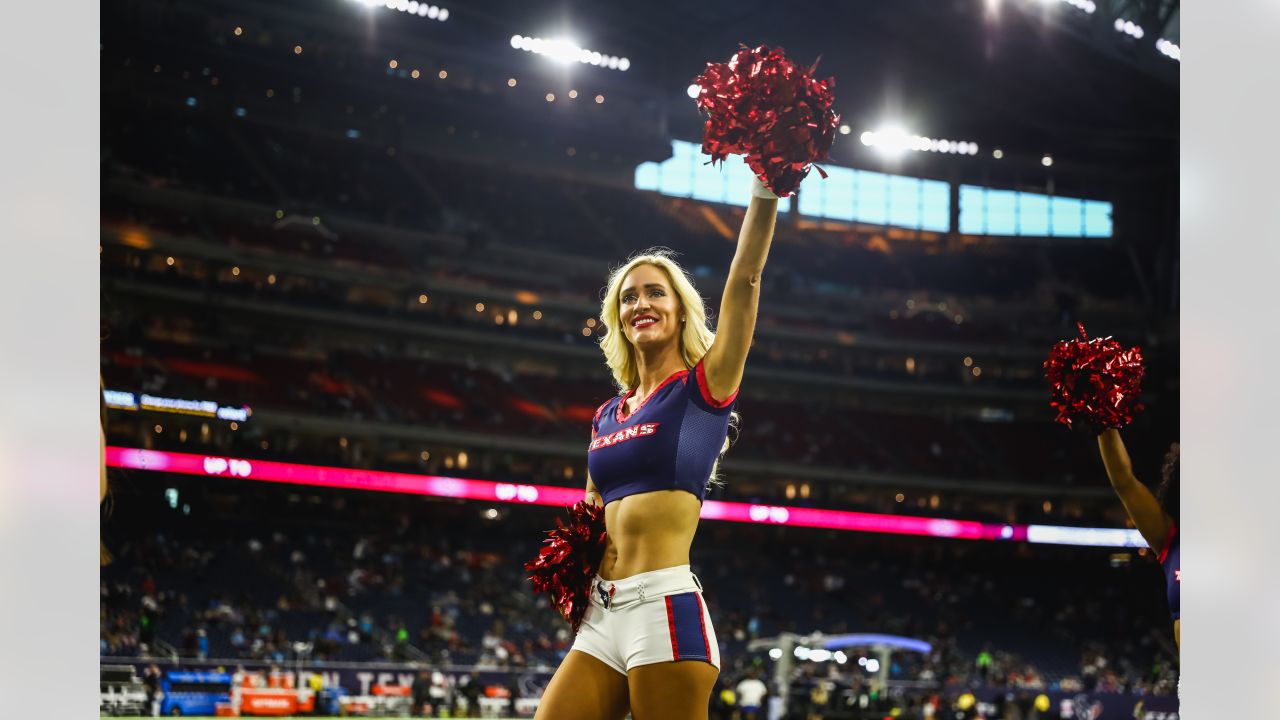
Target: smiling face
[648, 308]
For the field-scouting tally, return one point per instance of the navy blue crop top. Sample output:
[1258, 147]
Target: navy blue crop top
[669, 442]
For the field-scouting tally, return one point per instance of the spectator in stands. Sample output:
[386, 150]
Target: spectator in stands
[751, 694]
[421, 694]
[151, 682]
[315, 683]
[513, 693]
[471, 690]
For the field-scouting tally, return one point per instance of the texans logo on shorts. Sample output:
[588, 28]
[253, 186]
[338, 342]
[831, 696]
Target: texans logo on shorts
[605, 596]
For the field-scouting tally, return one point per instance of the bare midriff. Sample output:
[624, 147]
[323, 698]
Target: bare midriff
[649, 531]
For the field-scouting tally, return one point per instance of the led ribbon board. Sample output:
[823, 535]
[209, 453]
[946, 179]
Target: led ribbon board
[491, 491]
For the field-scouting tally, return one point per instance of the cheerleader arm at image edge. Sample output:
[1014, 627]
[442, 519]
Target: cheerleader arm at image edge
[1143, 507]
[735, 326]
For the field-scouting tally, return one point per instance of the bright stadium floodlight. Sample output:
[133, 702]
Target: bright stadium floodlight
[562, 50]
[565, 50]
[891, 141]
[693, 90]
[895, 141]
[409, 7]
[1086, 5]
[1169, 49]
[1129, 28]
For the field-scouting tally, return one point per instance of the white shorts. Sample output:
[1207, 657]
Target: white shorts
[653, 617]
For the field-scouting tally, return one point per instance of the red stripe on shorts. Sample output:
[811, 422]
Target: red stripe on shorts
[671, 626]
[705, 642]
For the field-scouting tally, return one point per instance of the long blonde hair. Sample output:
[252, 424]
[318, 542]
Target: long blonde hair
[695, 337]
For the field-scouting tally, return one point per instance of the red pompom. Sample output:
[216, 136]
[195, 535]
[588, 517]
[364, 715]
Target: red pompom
[567, 563]
[761, 105]
[1095, 382]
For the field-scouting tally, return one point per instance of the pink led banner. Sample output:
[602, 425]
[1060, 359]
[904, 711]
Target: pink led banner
[488, 490]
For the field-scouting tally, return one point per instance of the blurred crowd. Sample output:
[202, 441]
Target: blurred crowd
[336, 576]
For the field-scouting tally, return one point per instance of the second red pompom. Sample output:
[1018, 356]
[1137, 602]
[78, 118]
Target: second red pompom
[567, 562]
[1095, 382]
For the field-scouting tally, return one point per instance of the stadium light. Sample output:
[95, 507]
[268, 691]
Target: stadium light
[1086, 5]
[1047, 160]
[694, 90]
[565, 50]
[1169, 49]
[894, 141]
[1129, 28]
[409, 7]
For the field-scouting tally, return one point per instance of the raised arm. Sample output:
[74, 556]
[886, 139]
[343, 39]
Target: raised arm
[727, 357]
[1142, 506]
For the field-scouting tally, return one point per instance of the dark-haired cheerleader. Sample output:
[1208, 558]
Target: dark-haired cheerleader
[1155, 515]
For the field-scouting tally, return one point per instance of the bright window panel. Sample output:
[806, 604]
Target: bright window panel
[677, 171]
[872, 193]
[1002, 212]
[737, 181]
[1033, 214]
[1097, 219]
[709, 182]
[935, 201]
[904, 201]
[1067, 217]
[647, 176]
[973, 210]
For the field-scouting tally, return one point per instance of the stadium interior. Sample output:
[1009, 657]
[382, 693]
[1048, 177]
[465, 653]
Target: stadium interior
[377, 236]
